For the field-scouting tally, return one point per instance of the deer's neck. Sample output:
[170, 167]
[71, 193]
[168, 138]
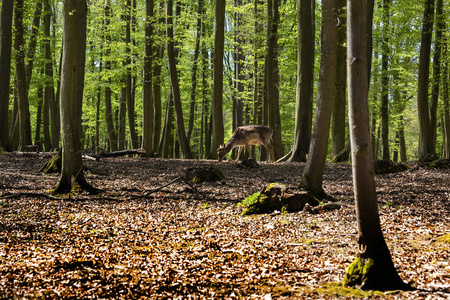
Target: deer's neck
[230, 145]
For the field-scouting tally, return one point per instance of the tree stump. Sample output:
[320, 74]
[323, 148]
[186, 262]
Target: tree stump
[53, 165]
[248, 164]
[388, 166]
[276, 196]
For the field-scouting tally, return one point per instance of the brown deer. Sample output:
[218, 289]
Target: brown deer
[246, 136]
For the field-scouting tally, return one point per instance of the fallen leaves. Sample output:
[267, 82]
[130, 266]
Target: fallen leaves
[173, 243]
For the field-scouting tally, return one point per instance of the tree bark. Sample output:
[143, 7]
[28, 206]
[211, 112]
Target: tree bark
[32, 42]
[425, 128]
[181, 133]
[217, 101]
[147, 97]
[373, 267]
[315, 165]
[108, 107]
[385, 83]
[305, 79]
[339, 123]
[49, 89]
[72, 83]
[446, 102]
[6, 19]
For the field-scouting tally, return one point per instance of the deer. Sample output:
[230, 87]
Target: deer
[247, 136]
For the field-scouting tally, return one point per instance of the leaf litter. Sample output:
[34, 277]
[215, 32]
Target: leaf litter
[173, 243]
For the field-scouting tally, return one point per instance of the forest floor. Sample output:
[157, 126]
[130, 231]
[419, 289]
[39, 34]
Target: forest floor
[179, 241]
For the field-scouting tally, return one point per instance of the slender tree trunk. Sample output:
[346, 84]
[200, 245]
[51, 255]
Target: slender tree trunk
[385, 82]
[165, 146]
[108, 107]
[21, 80]
[436, 70]
[6, 18]
[181, 133]
[373, 267]
[315, 165]
[40, 98]
[425, 128]
[32, 42]
[305, 79]
[49, 89]
[147, 97]
[239, 68]
[217, 102]
[446, 102]
[338, 139]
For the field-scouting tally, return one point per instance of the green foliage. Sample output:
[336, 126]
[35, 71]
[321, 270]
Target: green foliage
[249, 200]
[358, 271]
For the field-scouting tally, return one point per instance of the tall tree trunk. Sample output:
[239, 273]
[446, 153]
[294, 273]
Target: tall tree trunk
[273, 77]
[239, 67]
[385, 82]
[108, 107]
[445, 101]
[373, 266]
[40, 98]
[6, 18]
[338, 139]
[147, 97]
[313, 173]
[165, 145]
[72, 83]
[425, 129]
[181, 133]
[198, 35]
[21, 80]
[305, 79]
[217, 101]
[32, 42]
[49, 89]
[436, 70]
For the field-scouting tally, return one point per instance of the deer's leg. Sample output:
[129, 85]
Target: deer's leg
[269, 149]
[239, 152]
[249, 150]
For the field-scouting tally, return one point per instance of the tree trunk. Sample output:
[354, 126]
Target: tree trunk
[21, 80]
[6, 18]
[436, 70]
[128, 78]
[425, 128]
[373, 267]
[340, 97]
[147, 97]
[32, 43]
[315, 165]
[122, 120]
[72, 82]
[305, 79]
[273, 77]
[239, 68]
[181, 133]
[446, 102]
[385, 82]
[217, 101]
[108, 107]
[165, 145]
[49, 89]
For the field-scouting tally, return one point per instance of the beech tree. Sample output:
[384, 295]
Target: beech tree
[373, 267]
[6, 18]
[71, 98]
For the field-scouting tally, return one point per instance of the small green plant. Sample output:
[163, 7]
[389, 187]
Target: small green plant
[249, 200]
[206, 206]
[4, 204]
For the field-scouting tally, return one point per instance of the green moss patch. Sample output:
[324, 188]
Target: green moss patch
[340, 290]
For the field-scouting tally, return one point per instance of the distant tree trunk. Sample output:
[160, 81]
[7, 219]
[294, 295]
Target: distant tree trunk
[181, 133]
[72, 82]
[157, 67]
[313, 173]
[108, 107]
[446, 102]
[425, 129]
[273, 77]
[6, 18]
[217, 102]
[165, 145]
[198, 35]
[147, 97]
[21, 79]
[40, 97]
[305, 79]
[436, 70]
[373, 267]
[122, 120]
[49, 89]
[239, 68]
[385, 82]
[338, 139]
[128, 78]
[32, 42]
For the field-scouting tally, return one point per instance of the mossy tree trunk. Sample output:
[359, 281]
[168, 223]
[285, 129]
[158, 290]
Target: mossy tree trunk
[373, 267]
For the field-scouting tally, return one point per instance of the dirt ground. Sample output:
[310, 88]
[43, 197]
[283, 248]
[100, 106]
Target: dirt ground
[192, 241]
